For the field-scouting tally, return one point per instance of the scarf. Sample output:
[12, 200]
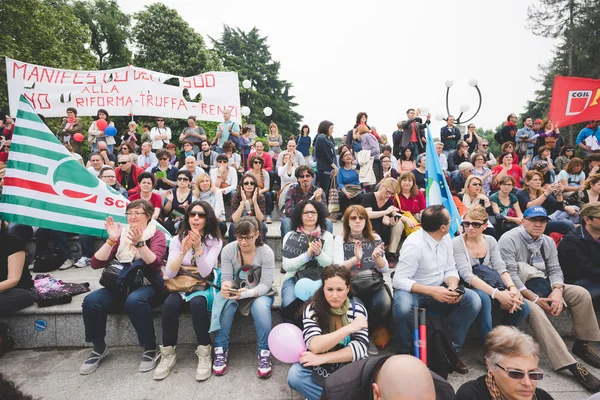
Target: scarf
[342, 312]
[207, 196]
[492, 387]
[508, 123]
[191, 153]
[316, 234]
[534, 247]
[127, 252]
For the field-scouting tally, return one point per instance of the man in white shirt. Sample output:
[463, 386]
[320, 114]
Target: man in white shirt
[192, 166]
[96, 163]
[427, 277]
[147, 159]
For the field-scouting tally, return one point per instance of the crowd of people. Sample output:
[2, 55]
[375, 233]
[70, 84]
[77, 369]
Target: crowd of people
[528, 244]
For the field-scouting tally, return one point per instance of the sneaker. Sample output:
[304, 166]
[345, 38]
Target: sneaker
[268, 219]
[30, 267]
[204, 362]
[373, 350]
[83, 262]
[67, 264]
[587, 380]
[92, 361]
[219, 367]
[586, 353]
[168, 359]
[149, 360]
[461, 367]
[264, 364]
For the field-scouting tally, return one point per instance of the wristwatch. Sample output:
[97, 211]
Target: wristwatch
[558, 286]
[139, 244]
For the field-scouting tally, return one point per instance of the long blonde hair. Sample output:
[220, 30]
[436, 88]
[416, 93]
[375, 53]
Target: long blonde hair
[273, 124]
[197, 189]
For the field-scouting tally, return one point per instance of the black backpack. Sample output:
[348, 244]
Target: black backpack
[49, 261]
[441, 356]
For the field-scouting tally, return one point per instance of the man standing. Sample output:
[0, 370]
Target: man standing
[528, 253]
[526, 138]
[450, 135]
[296, 155]
[207, 158]
[127, 174]
[259, 148]
[227, 130]
[458, 156]
[508, 131]
[591, 131]
[147, 159]
[414, 131]
[427, 277]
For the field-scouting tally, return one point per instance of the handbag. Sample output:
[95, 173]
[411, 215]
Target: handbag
[407, 229]
[49, 261]
[123, 278]
[485, 273]
[366, 283]
[311, 270]
[189, 280]
[333, 200]
[354, 190]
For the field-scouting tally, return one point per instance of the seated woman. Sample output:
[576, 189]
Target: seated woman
[287, 171]
[482, 171]
[146, 180]
[142, 245]
[248, 250]
[361, 251]
[247, 201]
[385, 217]
[127, 148]
[177, 201]
[566, 153]
[387, 169]
[335, 332]
[511, 358]
[187, 151]
[308, 246]
[589, 193]
[419, 173]
[472, 194]
[16, 285]
[572, 177]
[506, 207]
[347, 178]
[544, 154]
[205, 190]
[193, 257]
[475, 249]
[592, 163]
[507, 166]
[411, 198]
[263, 183]
[533, 194]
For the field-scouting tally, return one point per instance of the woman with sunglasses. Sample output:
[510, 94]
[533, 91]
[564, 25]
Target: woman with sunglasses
[361, 251]
[160, 135]
[239, 291]
[481, 170]
[205, 190]
[472, 195]
[127, 149]
[264, 185]
[474, 251]
[566, 153]
[247, 201]
[472, 138]
[193, 254]
[178, 200]
[506, 207]
[511, 358]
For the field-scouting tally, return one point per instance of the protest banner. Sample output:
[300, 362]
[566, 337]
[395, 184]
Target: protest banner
[574, 100]
[123, 91]
[45, 186]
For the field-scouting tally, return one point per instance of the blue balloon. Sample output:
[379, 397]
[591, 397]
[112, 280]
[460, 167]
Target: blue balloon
[305, 288]
[110, 131]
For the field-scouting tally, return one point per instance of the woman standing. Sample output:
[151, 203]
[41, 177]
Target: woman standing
[248, 250]
[142, 246]
[481, 170]
[68, 127]
[324, 153]
[96, 135]
[274, 140]
[193, 256]
[303, 142]
[247, 201]
[572, 177]
[146, 180]
[406, 163]
[205, 190]
[193, 133]
[335, 332]
[506, 206]
[349, 186]
[262, 179]
[549, 134]
[245, 146]
[478, 258]
[131, 136]
[178, 200]
[160, 135]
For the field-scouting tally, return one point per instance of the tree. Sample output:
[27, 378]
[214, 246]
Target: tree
[248, 54]
[110, 29]
[44, 32]
[166, 43]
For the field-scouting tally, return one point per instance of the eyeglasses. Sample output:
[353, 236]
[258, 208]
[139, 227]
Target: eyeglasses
[471, 127]
[309, 213]
[518, 375]
[244, 238]
[485, 145]
[200, 214]
[123, 162]
[305, 176]
[163, 158]
[222, 161]
[476, 184]
[183, 178]
[108, 177]
[7, 147]
[137, 214]
[475, 225]
[249, 183]
[160, 120]
[355, 217]
[569, 150]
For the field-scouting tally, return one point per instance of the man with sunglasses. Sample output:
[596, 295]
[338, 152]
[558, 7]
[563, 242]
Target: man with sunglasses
[532, 261]
[127, 174]
[483, 148]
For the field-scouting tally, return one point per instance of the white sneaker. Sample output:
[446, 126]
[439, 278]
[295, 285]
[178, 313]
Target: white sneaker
[204, 370]
[168, 358]
[67, 264]
[83, 262]
[268, 220]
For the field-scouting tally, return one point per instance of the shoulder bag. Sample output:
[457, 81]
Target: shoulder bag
[483, 272]
[333, 202]
[366, 283]
[189, 280]
[408, 230]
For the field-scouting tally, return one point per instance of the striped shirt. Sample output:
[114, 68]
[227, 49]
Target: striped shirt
[359, 341]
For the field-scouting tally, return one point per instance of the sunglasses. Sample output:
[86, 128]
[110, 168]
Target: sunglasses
[222, 161]
[485, 145]
[183, 178]
[160, 120]
[200, 214]
[249, 183]
[305, 176]
[355, 217]
[257, 162]
[123, 162]
[476, 184]
[163, 158]
[518, 375]
[476, 225]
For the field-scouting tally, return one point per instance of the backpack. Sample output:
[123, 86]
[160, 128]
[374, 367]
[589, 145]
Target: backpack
[441, 355]
[49, 261]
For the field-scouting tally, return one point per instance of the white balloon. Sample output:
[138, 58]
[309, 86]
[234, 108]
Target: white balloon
[473, 82]
[439, 117]
[449, 83]
[267, 111]
[245, 111]
[464, 108]
[246, 84]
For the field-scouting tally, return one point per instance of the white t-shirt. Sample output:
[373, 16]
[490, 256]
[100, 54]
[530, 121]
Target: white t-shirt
[93, 171]
[158, 143]
[572, 179]
[592, 142]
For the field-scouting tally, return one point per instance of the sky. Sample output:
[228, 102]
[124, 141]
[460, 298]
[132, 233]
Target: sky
[383, 57]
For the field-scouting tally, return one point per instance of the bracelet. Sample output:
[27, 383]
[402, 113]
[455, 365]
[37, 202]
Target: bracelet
[111, 243]
[536, 299]
[494, 293]
[544, 194]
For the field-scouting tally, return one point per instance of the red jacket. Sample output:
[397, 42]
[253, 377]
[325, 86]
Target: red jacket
[135, 172]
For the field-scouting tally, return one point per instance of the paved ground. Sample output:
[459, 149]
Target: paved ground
[54, 374]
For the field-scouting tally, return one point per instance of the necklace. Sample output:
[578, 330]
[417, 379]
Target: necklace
[179, 199]
[356, 237]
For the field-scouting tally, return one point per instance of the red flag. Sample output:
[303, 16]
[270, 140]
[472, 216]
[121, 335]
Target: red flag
[574, 100]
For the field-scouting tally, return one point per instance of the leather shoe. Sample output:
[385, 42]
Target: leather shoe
[461, 367]
[585, 378]
[586, 353]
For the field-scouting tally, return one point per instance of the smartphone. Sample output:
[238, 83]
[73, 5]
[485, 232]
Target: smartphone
[459, 290]
[233, 292]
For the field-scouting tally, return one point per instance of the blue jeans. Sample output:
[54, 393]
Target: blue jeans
[288, 293]
[592, 286]
[87, 245]
[460, 316]
[268, 203]
[286, 226]
[377, 307]
[138, 305]
[484, 320]
[300, 379]
[261, 313]
[563, 226]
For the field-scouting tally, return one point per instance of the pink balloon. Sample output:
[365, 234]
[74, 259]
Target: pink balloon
[286, 343]
[101, 124]
[78, 137]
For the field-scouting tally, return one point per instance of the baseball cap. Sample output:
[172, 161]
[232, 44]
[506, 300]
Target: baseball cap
[538, 121]
[541, 164]
[537, 211]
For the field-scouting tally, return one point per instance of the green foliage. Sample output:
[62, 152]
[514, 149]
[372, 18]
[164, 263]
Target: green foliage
[110, 31]
[248, 54]
[166, 43]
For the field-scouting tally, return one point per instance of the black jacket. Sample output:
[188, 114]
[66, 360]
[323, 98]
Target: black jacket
[579, 256]
[449, 137]
[454, 160]
[477, 390]
[324, 152]
[506, 134]
[354, 382]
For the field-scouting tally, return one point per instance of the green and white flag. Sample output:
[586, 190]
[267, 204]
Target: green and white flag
[45, 186]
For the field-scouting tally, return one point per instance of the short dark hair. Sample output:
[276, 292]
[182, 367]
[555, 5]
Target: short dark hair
[222, 157]
[162, 153]
[302, 169]
[146, 175]
[74, 110]
[299, 209]
[324, 127]
[144, 205]
[525, 118]
[186, 173]
[433, 218]
[228, 146]
[246, 129]
[186, 142]
[409, 110]
[96, 154]
[360, 115]
[147, 126]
